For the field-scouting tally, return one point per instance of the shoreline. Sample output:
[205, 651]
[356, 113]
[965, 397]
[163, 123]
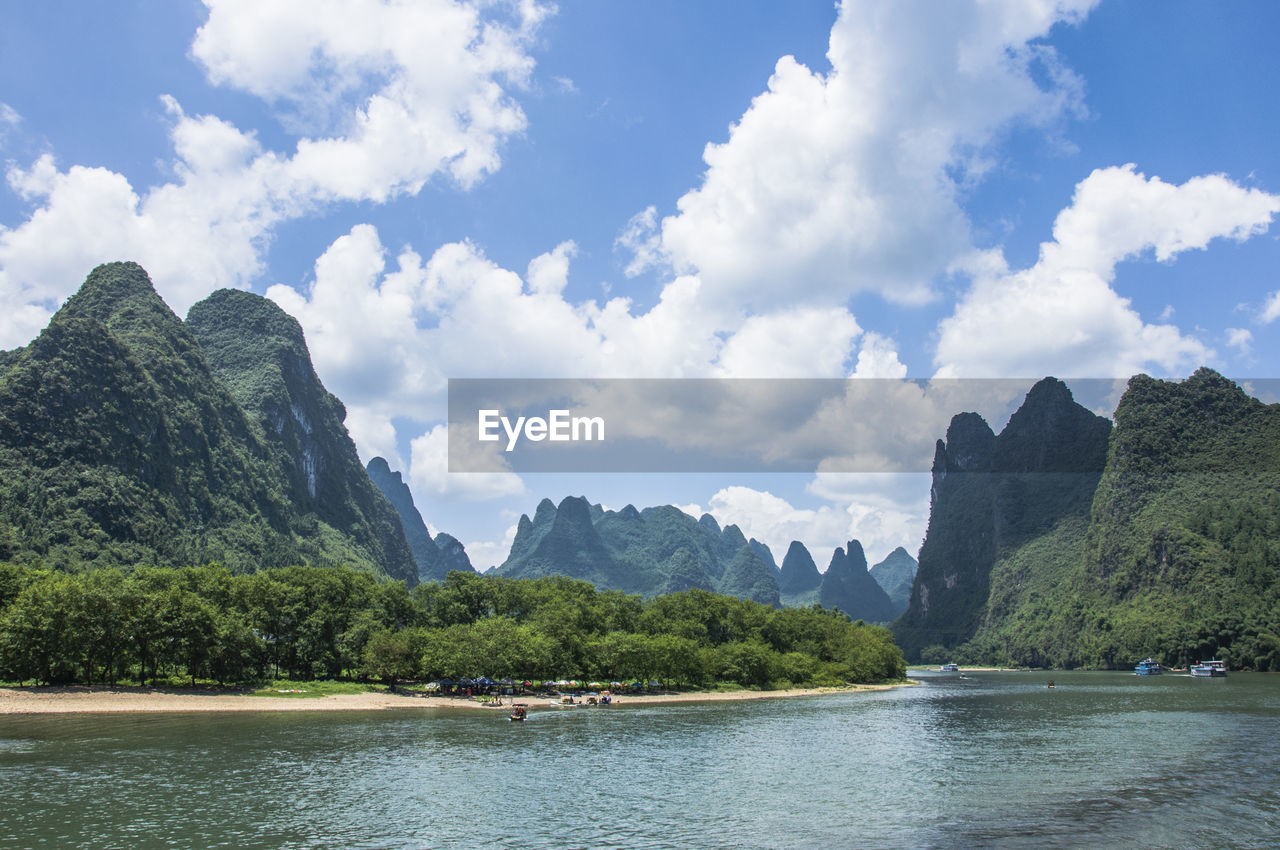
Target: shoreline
[86, 700]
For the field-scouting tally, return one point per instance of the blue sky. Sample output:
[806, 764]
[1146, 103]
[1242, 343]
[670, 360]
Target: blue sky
[661, 189]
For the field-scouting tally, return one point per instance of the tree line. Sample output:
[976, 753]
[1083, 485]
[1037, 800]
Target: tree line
[153, 624]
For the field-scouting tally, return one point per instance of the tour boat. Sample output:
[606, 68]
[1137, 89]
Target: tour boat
[1148, 667]
[1209, 669]
[949, 668]
[519, 711]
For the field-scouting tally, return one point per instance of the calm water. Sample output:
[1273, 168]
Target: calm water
[989, 760]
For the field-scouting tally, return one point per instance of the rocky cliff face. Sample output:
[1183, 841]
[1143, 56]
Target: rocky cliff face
[993, 494]
[453, 555]
[260, 353]
[426, 554]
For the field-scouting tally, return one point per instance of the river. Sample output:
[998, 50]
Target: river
[979, 760]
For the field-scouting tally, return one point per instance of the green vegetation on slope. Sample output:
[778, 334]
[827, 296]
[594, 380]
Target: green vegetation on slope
[259, 352]
[1177, 557]
[993, 495]
[119, 445]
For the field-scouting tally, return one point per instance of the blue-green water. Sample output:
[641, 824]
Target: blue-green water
[988, 760]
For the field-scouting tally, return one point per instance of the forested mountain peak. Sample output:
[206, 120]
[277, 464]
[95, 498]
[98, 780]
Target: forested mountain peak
[120, 444]
[426, 551]
[993, 494]
[968, 445]
[259, 351]
[1049, 432]
[848, 585]
[895, 574]
[799, 574]
[119, 291]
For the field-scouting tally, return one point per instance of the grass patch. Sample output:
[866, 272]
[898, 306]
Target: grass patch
[290, 688]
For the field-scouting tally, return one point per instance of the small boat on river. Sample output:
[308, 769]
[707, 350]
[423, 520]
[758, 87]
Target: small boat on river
[519, 711]
[1148, 667]
[949, 668]
[1214, 669]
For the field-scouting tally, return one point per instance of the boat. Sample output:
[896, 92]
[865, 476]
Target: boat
[565, 701]
[1214, 669]
[949, 668]
[519, 711]
[1147, 667]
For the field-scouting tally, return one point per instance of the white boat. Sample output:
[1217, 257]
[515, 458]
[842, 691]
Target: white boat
[1214, 669]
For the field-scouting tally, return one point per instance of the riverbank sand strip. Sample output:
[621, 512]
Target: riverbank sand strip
[82, 699]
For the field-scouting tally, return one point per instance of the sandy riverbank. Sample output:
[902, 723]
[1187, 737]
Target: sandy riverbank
[56, 700]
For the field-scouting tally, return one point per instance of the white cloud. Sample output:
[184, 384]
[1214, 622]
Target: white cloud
[490, 553]
[388, 340]
[1241, 339]
[430, 478]
[9, 118]
[549, 273]
[423, 78]
[1062, 316]
[642, 239]
[805, 342]
[878, 358]
[876, 521]
[406, 92]
[845, 182]
[374, 436]
[1271, 309]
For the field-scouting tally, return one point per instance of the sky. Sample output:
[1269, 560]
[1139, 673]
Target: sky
[719, 189]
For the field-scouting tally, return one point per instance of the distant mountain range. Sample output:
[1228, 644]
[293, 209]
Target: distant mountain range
[663, 550]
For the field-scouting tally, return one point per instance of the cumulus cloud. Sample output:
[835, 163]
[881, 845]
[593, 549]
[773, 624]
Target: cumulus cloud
[1062, 316]
[871, 518]
[394, 94]
[387, 336]
[837, 183]
[425, 78]
[374, 436]
[429, 474]
[1270, 309]
[9, 118]
[485, 554]
[878, 358]
[804, 342]
[1241, 339]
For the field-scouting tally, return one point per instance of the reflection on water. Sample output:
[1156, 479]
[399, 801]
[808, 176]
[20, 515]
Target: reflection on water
[1103, 759]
